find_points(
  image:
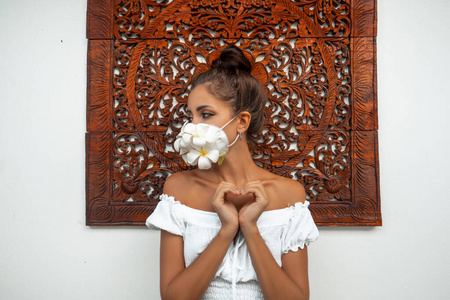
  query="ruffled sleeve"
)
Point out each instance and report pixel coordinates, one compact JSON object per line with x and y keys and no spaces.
{"x":300,"y":230}
{"x":167,"y":216}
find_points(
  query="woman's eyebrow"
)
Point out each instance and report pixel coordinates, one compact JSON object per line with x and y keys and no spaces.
{"x":203,"y":106}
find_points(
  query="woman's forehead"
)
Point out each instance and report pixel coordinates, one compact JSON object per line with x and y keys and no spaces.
{"x":201,"y":98}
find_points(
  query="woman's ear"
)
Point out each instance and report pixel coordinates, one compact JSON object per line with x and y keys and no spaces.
{"x":244,"y":121}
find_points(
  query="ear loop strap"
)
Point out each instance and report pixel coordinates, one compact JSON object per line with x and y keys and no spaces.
{"x":237,"y":136}
{"x":228,"y":122}
{"x":235,"y":140}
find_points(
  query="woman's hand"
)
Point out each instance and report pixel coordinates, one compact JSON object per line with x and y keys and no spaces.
{"x":250,"y":212}
{"x":225,"y":209}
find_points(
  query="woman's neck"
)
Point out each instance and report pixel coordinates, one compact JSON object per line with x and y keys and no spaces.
{"x":238,"y":166}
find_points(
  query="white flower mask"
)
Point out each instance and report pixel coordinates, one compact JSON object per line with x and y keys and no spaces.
{"x":202,"y":144}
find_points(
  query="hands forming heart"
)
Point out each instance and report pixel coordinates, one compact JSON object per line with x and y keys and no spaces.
{"x":249,"y":213}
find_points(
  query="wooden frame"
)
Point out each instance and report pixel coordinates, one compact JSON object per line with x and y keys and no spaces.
{"x":321,"y":117}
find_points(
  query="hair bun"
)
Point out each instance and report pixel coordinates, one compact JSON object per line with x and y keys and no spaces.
{"x":232,"y":59}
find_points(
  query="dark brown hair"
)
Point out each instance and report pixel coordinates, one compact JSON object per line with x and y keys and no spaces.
{"x":229,"y":79}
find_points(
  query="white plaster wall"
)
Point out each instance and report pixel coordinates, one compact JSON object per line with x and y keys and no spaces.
{"x":46,"y":251}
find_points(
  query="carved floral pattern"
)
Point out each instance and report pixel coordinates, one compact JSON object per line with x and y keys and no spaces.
{"x":302,"y":54}
{"x":232,"y":19}
{"x":300,"y":96}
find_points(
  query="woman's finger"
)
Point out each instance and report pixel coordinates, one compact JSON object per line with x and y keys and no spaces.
{"x":253,"y":188}
{"x":222,"y":189}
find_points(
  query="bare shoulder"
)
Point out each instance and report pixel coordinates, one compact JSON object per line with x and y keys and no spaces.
{"x":283,"y":192}
{"x":178,"y":184}
{"x":189,"y":187}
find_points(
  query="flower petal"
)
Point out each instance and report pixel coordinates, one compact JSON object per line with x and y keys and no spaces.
{"x":212,"y":134}
{"x":202,"y":129}
{"x":176,"y":145}
{"x":183,"y":150}
{"x":199,"y":141}
{"x":186,"y":138}
{"x":213,"y":155}
{"x":190,"y":128}
{"x":184,"y":156}
{"x":184,"y":125}
{"x":204,"y":163}
{"x":183,"y":144}
{"x":192,"y":157}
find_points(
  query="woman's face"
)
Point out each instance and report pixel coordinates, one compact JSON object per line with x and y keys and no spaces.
{"x":205,"y":108}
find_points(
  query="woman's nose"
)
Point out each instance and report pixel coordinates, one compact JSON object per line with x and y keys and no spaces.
{"x":194,"y":120}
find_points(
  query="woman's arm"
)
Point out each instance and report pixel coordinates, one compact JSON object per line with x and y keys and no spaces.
{"x":288,"y":282}
{"x":179,"y":282}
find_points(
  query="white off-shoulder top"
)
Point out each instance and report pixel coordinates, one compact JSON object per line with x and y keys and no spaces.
{"x":283,"y":230}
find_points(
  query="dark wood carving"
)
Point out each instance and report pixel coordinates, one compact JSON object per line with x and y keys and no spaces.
{"x":316,"y":59}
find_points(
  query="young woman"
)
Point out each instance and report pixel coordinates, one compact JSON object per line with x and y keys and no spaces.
{"x":230,"y":229}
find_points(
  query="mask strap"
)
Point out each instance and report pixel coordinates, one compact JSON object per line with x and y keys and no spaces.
{"x":237,"y":136}
{"x":235,"y":140}
{"x":228,"y":122}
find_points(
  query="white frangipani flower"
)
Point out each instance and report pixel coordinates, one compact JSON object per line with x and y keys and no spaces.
{"x":197,"y":132}
{"x":179,"y":143}
{"x":201,"y":144}
{"x":203,"y":157}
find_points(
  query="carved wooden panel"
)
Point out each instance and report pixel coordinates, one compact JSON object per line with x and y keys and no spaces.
{"x":317,"y":61}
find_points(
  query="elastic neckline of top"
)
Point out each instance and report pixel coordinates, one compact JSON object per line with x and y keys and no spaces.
{"x":304,"y":204}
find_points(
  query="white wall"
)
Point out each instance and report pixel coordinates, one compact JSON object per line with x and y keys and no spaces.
{"x":46,"y":251}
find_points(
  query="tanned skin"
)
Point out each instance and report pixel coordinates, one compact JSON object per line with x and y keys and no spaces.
{"x":239,"y":192}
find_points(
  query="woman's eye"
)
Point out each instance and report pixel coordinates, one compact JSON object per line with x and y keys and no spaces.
{"x":206,"y":115}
